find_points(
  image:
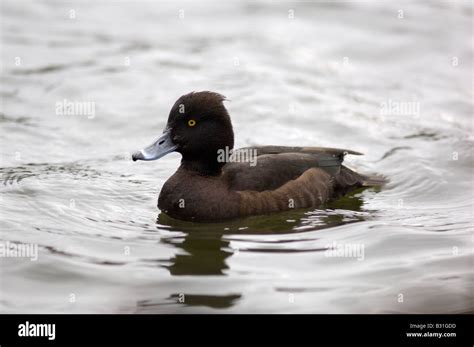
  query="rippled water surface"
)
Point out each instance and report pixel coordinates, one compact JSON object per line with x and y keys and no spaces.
{"x":299,"y":73}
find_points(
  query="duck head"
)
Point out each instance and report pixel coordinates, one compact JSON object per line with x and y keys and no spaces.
{"x":198,"y":127}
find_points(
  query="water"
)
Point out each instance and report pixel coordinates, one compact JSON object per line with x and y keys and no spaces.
{"x":392,"y":80}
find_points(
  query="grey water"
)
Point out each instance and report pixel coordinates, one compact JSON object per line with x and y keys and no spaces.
{"x":84,"y":84}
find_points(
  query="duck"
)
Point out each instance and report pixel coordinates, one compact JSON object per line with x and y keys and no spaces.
{"x":216,"y":182}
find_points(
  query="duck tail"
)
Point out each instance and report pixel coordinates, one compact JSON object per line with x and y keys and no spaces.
{"x":373,"y":181}
{"x":351,"y":178}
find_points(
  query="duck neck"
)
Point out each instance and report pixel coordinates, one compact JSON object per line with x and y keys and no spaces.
{"x":202,"y":166}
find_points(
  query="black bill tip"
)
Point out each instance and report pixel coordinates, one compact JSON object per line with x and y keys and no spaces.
{"x":137,"y":156}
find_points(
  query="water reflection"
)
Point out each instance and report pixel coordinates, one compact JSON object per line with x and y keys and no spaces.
{"x":213,"y":301}
{"x":203,"y":255}
{"x":204,"y":249}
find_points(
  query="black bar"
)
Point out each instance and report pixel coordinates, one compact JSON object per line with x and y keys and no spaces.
{"x":317,"y":329}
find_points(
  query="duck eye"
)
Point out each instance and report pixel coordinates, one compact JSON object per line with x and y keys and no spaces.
{"x":191,"y":122}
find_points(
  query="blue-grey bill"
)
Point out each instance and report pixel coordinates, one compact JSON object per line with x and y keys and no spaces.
{"x":157,"y":149}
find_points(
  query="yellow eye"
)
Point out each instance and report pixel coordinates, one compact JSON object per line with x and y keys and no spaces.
{"x":191,"y":122}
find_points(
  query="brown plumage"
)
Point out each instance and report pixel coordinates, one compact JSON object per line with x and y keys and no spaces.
{"x":276,"y":178}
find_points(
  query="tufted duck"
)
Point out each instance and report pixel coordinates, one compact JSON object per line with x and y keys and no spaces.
{"x":215,"y":182}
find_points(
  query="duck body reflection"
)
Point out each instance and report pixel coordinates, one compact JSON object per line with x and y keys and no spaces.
{"x":203,"y":250}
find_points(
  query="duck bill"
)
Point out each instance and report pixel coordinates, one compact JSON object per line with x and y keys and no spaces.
{"x":157,"y":149}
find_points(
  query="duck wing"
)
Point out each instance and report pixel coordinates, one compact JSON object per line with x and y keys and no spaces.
{"x":270,"y":167}
{"x":261,"y":150}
